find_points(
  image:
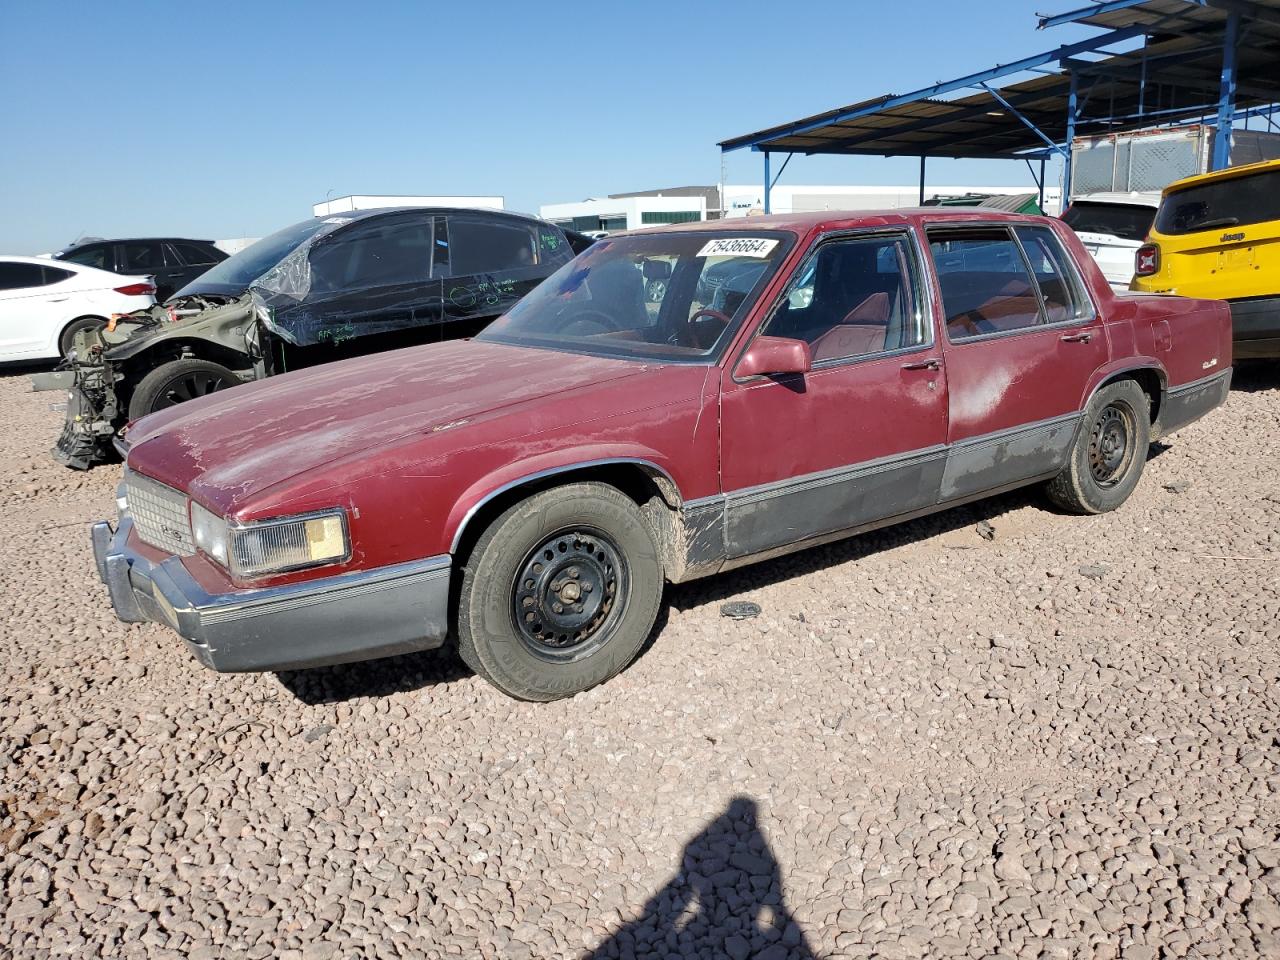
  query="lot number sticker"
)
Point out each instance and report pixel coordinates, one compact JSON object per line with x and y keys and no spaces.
{"x":738,"y":247}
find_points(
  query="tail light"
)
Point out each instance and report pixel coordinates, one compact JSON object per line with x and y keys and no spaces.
{"x":136,"y":289}
{"x":1147,"y":260}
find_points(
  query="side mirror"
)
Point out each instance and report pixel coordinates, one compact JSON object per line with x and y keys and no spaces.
{"x":656,"y":270}
{"x":775,"y":356}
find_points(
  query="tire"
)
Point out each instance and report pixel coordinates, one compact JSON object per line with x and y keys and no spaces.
{"x":1109,"y":452}
{"x":529,"y":625}
{"x":177,"y":382}
{"x":68,"y":338}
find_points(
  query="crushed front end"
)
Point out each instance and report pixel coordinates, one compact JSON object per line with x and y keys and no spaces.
{"x":93,"y":412}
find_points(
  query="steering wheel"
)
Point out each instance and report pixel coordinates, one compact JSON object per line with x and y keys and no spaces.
{"x":589,"y":317}
{"x":691,"y":329}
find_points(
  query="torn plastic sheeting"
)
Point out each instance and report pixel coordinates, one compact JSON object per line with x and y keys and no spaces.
{"x":316,"y":320}
{"x":291,"y":277}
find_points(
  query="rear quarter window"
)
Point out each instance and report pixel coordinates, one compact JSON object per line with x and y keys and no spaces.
{"x":1221,"y":204}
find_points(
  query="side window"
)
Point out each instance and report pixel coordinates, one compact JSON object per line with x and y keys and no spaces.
{"x":54,"y":275}
{"x":853,"y":298}
{"x":489,"y":246}
{"x":141,"y":257}
{"x":984,"y":281}
{"x":193,"y":255}
{"x":553,"y":248}
{"x":440,"y":249}
{"x":374,"y":253}
{"x":91,"y":257}
{"x":15,"y":276}
{"x":1060,"y":288}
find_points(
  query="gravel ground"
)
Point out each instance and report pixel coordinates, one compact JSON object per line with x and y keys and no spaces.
{"x":1058,"y":742}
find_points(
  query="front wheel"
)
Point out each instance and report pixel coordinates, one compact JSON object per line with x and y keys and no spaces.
{"x":560,"y":592}
{"x":177,"y":382}
{"x":1109,"y":453}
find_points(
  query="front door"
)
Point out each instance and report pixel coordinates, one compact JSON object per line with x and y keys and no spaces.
{"x":1022,"y":340}
{"x":862,"y":437}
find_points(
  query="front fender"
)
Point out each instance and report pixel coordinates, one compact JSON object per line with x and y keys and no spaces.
{"x":550,"y":464}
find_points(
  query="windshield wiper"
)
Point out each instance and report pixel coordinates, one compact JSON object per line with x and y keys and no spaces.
{"x":1220,"y":222}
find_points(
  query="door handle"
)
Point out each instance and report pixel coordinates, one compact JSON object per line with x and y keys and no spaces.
{"x":1077,"y":337}
{"x":931,"y":364}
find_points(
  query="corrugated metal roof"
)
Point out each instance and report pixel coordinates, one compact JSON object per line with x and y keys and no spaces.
{"x":1174,"y":77}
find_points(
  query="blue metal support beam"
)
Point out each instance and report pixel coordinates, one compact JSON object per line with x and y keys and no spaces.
{"x":1227,"y":93}
{"x":1022,"y":119}
{"x":974,"y":79}
{"x":768,"y":184}
{"x":1090,"y":11}
{"x":1072,"y":94}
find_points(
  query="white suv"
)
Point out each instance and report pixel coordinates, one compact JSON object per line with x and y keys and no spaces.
{"x":1112,"y":226}
{"x":45,"y":303}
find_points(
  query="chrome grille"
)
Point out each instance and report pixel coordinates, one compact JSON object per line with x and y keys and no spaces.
{"x":159,"y":514}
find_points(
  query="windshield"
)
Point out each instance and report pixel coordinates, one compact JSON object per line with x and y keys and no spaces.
{"x":1219,"y":204}
{"x":661,"y":296}
{"x":1124,"y":220}
{"x":234,"y":274}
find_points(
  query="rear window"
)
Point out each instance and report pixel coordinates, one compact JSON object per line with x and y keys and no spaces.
{"x":1221,"y":204}
{"x":1123,"y":220}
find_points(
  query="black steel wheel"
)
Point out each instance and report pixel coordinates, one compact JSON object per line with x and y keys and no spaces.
{"x":566,"y":594}
{"x":560,"y":592}
{"x":1111,"y":443}
{"x":178,"y":381}
{"x":1109,"y":451}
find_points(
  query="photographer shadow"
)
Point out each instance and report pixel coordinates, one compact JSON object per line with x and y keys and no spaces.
{"x":725,"y":900}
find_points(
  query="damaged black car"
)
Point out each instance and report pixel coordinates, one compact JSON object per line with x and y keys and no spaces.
{"x":325,"y":289}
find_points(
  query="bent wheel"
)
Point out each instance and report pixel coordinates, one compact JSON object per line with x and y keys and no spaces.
{"x":559,"y":593}
{"x":1109,"y":452}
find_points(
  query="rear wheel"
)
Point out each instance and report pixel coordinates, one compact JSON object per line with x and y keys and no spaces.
{"x":177,"y":382}
{"x":560,"y":592}
{"x":68,"y":338}
{"x":1109,"y":452}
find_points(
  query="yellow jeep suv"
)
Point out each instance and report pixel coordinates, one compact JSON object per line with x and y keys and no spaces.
{"x":1217,"y":235}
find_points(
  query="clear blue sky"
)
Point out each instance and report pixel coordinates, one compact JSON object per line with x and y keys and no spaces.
{"x":226,"y":119}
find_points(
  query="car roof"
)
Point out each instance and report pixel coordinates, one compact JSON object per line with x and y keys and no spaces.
{"x":1135,"y":198}
{"x":1227,"y":173}
{"x":88,"y":243}
{"x":42,"y":261}
{"x":383,"y":211}
{"x":848,"y":219}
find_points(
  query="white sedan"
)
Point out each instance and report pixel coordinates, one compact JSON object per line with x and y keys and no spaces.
{"x":45,"y":303}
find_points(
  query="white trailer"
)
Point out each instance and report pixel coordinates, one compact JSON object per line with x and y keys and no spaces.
{"x":1145,"y":160}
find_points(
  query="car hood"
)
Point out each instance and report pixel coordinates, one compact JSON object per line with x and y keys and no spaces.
{"x":228,"y":446}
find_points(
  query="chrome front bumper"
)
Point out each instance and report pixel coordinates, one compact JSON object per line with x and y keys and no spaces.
{"x":351,"y":616}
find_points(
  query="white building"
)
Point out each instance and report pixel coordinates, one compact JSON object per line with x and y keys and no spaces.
{"x":373,"y":202}
{"x":630,"y":211}
{"x":625,"y":212}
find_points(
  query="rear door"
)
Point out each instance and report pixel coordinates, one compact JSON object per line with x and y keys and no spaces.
{"x":859,"y":439}
{"x":146,"y":258}
{"x":368,"y":279}
{"x":493,"y":261}
{"x":1022,"y":338}
{"x":189,"y":260}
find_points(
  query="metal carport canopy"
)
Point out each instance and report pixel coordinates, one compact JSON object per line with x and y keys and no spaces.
{"x":1198,"y":58}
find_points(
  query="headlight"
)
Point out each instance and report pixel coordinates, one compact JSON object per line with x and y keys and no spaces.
{"x":272,"y":546}
{"x":210,"y":533}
